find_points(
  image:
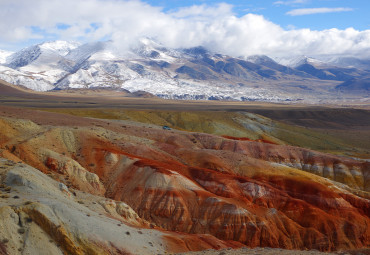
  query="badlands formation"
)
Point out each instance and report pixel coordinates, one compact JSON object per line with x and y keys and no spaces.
{"x":78,"y":185}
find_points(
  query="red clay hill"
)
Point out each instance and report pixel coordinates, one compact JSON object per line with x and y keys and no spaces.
{"x":238,"y":191}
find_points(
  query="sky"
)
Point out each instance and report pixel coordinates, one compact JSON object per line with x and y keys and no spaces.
{"x":234,"y":27}
{"x":339,"y":13}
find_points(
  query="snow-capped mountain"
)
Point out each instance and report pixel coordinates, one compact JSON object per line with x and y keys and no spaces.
{"x":329,"y":68}
{"x":194,"y":73}
{"x":350,"y":62}
{"x":325,"y":61}
{"x":40,"y":54}
{"x":44,"y":62}
{"x":20,"y":78}
{"x":296,"y":61}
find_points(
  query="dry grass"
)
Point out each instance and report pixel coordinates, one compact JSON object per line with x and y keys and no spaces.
{"x":229,"y":123}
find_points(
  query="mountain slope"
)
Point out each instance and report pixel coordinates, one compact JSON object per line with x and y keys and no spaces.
{"x":329,"y":68}
{"x":40,"y":215}
{"x":16,"y":77}
{"x":355,"y":85}
{"x":49,"y":53}
{"x":270,"y":63}
{"x":194,"y":73}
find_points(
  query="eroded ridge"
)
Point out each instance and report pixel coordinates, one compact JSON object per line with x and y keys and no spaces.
{"x":235,"y":191}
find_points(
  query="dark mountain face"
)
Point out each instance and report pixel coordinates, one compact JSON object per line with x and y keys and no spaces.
{"x":207,"y":66}
{"x":140,"y":69}
{"x":159,"y":64}
{"x":355,"y":86}
{"x":331,"y":73}
{"x":196,"y":51}
{"x":270,"y":63}
{"x":25,"y":57}
{"x":310,"y":69}
{"x":192,"y":73}
{"x":237,"y":68}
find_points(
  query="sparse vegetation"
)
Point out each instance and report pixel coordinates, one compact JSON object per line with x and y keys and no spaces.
{"x":237,"y":124}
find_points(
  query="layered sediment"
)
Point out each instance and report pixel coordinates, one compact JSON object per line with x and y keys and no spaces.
{"x":220,"y":190}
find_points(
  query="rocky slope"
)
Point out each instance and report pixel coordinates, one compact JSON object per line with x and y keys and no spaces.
{"x":355,"y":85}
{"x":42,"y":216}
{"x":245,"y":191}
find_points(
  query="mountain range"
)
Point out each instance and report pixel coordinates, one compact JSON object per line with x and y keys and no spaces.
{"x":194,"y":73}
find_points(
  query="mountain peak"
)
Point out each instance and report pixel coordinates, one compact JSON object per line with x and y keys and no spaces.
{"x":62,"y":47}
{"x":192,"y":73}
{"x":48,"y":50}
{"x":295,"y":61}
{"x":259,"y":59}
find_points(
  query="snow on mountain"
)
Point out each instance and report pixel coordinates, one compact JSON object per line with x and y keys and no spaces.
{"x":296,"y":61}
{"x":102,"y":64}
{"x":3,"y":55}
{"x":19,"y":78}
{"x":85,"y":51}
{"x":62,"y":47}
{"x":349,"y":62}
{"x":44,"y":61}
{"x":194,"y":73}
{"x":147,"y":48}
{"x":258,"y":59}
{"x":325,"y":61}
{"x":334,"y":68}
{"x":40,"y":54}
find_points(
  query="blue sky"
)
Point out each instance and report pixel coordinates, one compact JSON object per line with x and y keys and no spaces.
{"x":357,"y":18}
{"x":234,"y":27}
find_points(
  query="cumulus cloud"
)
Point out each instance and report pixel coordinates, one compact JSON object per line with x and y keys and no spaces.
{"x":215,"y":27}
{"x":308,"y":11}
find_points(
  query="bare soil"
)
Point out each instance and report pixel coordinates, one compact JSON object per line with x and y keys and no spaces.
{"x":349,"y":123}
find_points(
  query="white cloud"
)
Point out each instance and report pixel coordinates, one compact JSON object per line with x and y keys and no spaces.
{"x":203,"y":11}
{"x":291,"y":2}
{"x":215,"y":27}
{"x":308,"y":11}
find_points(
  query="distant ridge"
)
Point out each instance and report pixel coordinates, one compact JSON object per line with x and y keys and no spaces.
{"x":193,"y":73}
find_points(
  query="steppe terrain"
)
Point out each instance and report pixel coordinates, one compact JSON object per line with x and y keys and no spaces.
{"x":92,"y":174}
